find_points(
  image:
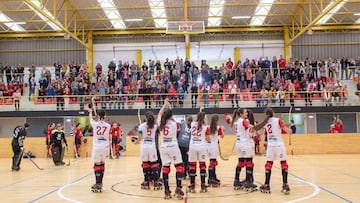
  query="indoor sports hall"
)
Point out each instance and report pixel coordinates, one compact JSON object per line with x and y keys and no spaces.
{"x":63,"y":60}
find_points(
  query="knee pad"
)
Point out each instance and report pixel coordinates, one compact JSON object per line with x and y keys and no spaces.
{"x":250,"y":164}
{"x":268,"y":165}
{"x":99,"y":167}
{"x":192,"y":166}
{"x":179,"y":168}
{"x":145,"y":165}
{"x":154,"y":165}
{"x":241,"y":164}
{"x":213,"y":163}
{"x":166,"y":169}
{"x":202,"y":165}
{"x":284,"y":165}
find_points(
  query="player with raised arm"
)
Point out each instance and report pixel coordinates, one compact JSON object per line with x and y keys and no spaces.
{"x":148,"y":153}
{"x":100,"y":150}
{"x":213,"y":150}
{"x":200,"y":135}
{"x":169,"y":149}
{"x":275,"y":149}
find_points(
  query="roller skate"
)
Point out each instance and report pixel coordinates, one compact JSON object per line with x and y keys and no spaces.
{"x":167,"y":194}
{"x":15,"y":168}
{"x":238,"y":185}
{"x":265,"y":189}
{"x":203,"y":188}
{"x":191,"y":188}
{"x":157,"y":185}
{"x":250,"y":187}
{"x":96,"y":188}
{"x":213,"y":183}
{"x":285,"y":189}
{"x":145,"y":185}
{"x":179,"y":193}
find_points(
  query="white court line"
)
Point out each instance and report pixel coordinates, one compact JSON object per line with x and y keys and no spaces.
{"x":313,"y":194}
{"x":60,"y":194}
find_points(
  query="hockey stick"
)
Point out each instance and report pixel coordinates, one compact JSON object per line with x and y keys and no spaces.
{"x":290,"y":122}
{"x":139,"y":117}
{"x":224,"y":158}
{"x":32,"y":161}
{"x":67,"y":152}
{"x":93,"y":105}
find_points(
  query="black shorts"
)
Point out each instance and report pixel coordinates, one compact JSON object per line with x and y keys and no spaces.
{"x":77,"y":141}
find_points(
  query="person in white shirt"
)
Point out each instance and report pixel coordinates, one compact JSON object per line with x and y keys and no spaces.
{"x":101,"y":146}
{"x":169,"y":149}
{"x":200,"y":135}
{"x":275,"y":148}
{"x":148,"y":153}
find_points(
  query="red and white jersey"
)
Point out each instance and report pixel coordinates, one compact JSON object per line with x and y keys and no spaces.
{"x":147,"y":134}
{"x":169,"y":132}
{"x":242,"y":127}
{"x":214,"y":138}
{"x":273,"y":130}
{"x":198,"y":135}
{"x":101,"y":133}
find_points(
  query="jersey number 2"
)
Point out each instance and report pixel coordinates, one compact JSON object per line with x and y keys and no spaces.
{"x":269,"y":128}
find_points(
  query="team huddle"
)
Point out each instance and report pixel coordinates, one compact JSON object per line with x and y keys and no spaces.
{"x":188,"y":144}
{"x":194,"y":142}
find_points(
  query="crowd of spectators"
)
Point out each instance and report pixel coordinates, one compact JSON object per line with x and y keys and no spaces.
{"x":122,"y":83}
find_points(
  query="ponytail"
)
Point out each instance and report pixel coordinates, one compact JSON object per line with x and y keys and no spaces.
{"x":234,"y":115}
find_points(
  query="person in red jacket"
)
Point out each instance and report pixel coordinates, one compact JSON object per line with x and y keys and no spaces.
{"x":338,"y":124}
{"x":116,"y":138}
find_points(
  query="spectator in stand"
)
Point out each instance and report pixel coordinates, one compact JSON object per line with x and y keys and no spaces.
{"x":17,"y":96}
{"x":172,"y":93}
{"x":338,"y":124}
{"x":358,"y":90}
{"x":32,"y":86}
{"x":233,"y":94}
{"x":194,"y":95}
{"x":282,"y":66}
{"x":229,"y":64}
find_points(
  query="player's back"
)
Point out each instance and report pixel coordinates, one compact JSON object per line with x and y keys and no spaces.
{"x":169,"y":132}
{"x":273,"y":130}
{"x":101,"y":133}
{"x":198,"y":135}
{"x":148,"y":134}
{"x":241,"y":126}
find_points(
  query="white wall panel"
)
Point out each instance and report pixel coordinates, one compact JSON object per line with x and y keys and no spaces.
{"x":215,"y":53}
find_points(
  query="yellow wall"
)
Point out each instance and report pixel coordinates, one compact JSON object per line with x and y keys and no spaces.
{"x":301,"y":144}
